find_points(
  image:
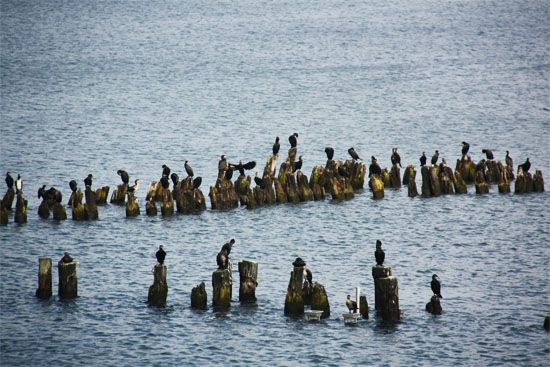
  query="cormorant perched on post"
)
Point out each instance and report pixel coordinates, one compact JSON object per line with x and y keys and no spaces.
{"x":465,"y":148}
{"x":436,"y":286}
{"x":342,"y":170}
{"x":508,"y":160}
{"x":161,"y":255}
{"x":423,"y":159}
{"x":222,"y":259}
{"x":292,"y":139}
{"x":164,"y":182}
{"x":188,"y":169}
{"x":395,"y":157}
{"x":19,"y":184}
{"x":175,"y":179}
{"x":309,"y":276}
{"x":488,"y":154}
{"x":379,"y":254}
{"x":525,"y":166}
{"x":88,"y":181}
{"x":228,"y":174}
{"x":298,"y":164}
{"x":354,"y":154}
{"x":241,"y":167}
{"x":259,"y":182}
{"x":73,"y":185}
{"x":374,"y":168}
{"x":42,"y":192}
{"x":197,"y":181}
{"x":276,"y":146}
{"x":123,"y":176}
{"x":165,"y":170}
{"x":55,"y":194}
{"x":330,"y":153}
{"x":298,"y":262}
{"x":222,"y":164}
{"x":9,"y":180}
{"x":352,"y":305}
{"x":66,"y":258}
{"x":134,"y":187}
{"x":435,"y":157}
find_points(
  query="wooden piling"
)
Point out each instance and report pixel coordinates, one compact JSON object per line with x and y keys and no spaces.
{"x":467,"y":169}
{"x":132,"y":206}
{"x":8,"y":198}
{"x":364,"y":306}
{"x":3,"y":214}
{"x":75,"y":198}
{"x":294,"y":302}
{"x":101,"y":195}
{"x":358,"y":171}
{"x":59,"y":212}
{"x":493,"y":171}
{"x":385,"y":176}
{"x":242,"y":188}
{"x":435,"y":184}
{"x":119,"y":194}
{"x":158,"y":292}
{"x":78,"y":209}
{"x":316,"y":183}
{"x":167,"y":203}
{"x":280,"y":191}
{"x":379,"y":271}
{"x":434,"y":306}
{"x":388,"y":290}
{"x":538,"y":182}
{"x":199,"y":297}
{"x":270,"y":166}
{"x":151,"y":207}
{"x":44,"y":290}
{"x":395,"y":177}
{"x":377,"y":186}
{"x":409,"y":179}
{"x":44,"y":209}
{"x":460,"y":184}
{"x":426,"y":190}
{"x":91,"y":212}
{"x":304,"y":191}
{"x":68,"y":283}
{"x":223,"y":195}
{"x":503,"y":181}
{"x":291,"y":188}
{"x":221,"y":284}
{"x":446,"y":181}
{"x":319,"y":300}
{"x":248,"y":274}
{"x":20,"y":209}
{"x":482,"y":187}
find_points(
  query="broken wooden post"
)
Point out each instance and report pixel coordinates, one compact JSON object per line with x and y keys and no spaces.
{"x":460,"y":184}
{"x":357,"y":171}
{"x":270,"y":166}
{"x":446,"y":181}
{"x":151,"y":207}
{"x":426,"y":190}
{"x":319,"y":300}
{"x":248,"y":274}
{"x":364,"y":307}
{"x":434,"y":306}
{"x":119,"y":194}
{"x":385,"y":176}
{"x":132,"y":206}
{"x":221,"y":284}
{"x":78,"y":209}
{"x":68,"y":284}
{"x":44,"y":209}
{"x":304,"y":191}
{"x":467,"y":169}
{"x":223,"y":195}
{"x":379,"y":271}
{"x":167,"y":203}
{"x":294,"y":301}
{"x":291,"y":188}
{"x":91,"y":212}
{"x":538,"y":182}
{"x":8,"y":198}
{"x":388,"y":290}
{"x":76,"y":197}
{"x":482,"y":187}
{"x":435,"y":185}
{"x":503,"y":182}
{"x":101,"y":195}
{"x":3,"y":214}
{"x":410,"y":177}
{"x":44,"y":290}
{"x":395,"y":177}
{"x":307,"y":293}
{"x":59,"y":211}
{"x":377,"y":186}
{"x":20,"y":209}
{"x":492,"y":171}
{"x":280,"y":191}
{"x":199,"y":297}
{"x":242,"y":188}
{"x":158,"y":292}
{"x":316,"y":183}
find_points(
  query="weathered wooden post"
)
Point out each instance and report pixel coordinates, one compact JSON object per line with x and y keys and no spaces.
{"x":151,"y":207}
{"x":158,"y":292}
{"x":364,"y":306}
{"x":167,"y":203}
{"x":78,"y":209}
{"x":467,"y":169}
{"x":304,"y":191}
{"x":248,"y":274}
{"x":68,"y":284}
{"x":460,"y":184}
{"x":291,"y":188}
{"x":119,"y":194}
{"x":377,"y":187}
{"x":270,"y":166}
{"x":435,"y":185}
{"x":503,"y":182}
{"x":378,"y":272}
{"x":493,"y":171}
{"x":446,"y":181}
{"x":199,"y":297}
{"x":385,"y":176}
{"x":44,"y":290}
{"x":410,"y":177}
{"x":538,"y":182}
{"x":223,"y":195}
{"x":76,"y":197}
{"x":3,"y":214}
{"x":425,"y":172}
{"x":20,"y":209}
{"x":242,"y":188}
{"x":280,"y":191}
{"x":294,"y":301}
{"x":358,"y":171}
{"x":7,"y":200}
{"x":388,"y":288}
{"x":132,"y":206}
{"x":395,"y":177}
{"x":434,"y":306}
{"x":221,"y":284}
{"x":319,"y":300}
{"x":59,"y":211}
{"x":101,"y":195}
{"x":44,"y":209}
{"x":481,"y":185}
{"x":91,"y":212}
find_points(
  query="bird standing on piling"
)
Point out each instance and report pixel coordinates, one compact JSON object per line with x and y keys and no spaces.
{"x":298,"y":164}
{"x":354,"y":154}
{"x":276,"y":146}
{"x":165,"y":170}
{"x":508,"y":160}
{"x":525,"y":166}
{"x":465,"y":149}
{"x":197,"y":181}
{"x":19,"y":184}
{"x":259,"y":182}
{"x":132,"y":189}
{"x":9,"y":180}
{"x":329,"y":152}
{"x":161,"y":255}
{"x":395,"y":157}
{"x":88,"y":181}
{"x":423,"y":159}
{"x":222,"y":259}
{"x":164,"y":182}
{"x":293,"y":140}
{"x":379,"y":254}
{"x":435,"y":157}
{"x":175,"y":179}
{"x":66,"y":258}
{"x":436,"y":286}
{"x":188,"y":169}
{"x":73,"y":185}
{"x":352,"y":305}
{"x":374,"y":168}
{"x":123,"y":176}
{"x":488,"y":154}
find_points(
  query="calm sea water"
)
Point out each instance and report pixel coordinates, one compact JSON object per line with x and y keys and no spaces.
{"x":92,"y":87}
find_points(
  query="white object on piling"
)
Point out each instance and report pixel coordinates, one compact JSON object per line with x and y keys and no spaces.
{"x":313,"y":315}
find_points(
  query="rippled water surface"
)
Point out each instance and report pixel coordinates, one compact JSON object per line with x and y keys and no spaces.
{"x":92,"y":87}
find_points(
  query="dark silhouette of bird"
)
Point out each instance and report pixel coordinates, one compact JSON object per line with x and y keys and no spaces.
{"x":276,"y":146}
{"x":342,"y":170}
{"x":66,"y":258}
{"x":435,"y":157}
{"x":374,"y":168}
{"x":379,"y":254}
{"x":88,"y":181}
{"x":188,"y":169}
{"x":525,"y":166}
{"x":133,"y":188}
{"x":73,"y":185}
{"x":222,"y":259}
{"x":423,"y":159}
{"x":436,"y":286}
{"x":242,"y":167}
{"x":309,"y":276}
{"x":175,"y":179}
{"x":298,"y":164}
{"x":197,"y":181}
{"x":352,"y":305}
{"x":123,"y":176}
{"x":222,"y":164}
{"x":165,"y":170}
{"x":164,"y":182}
{"x":298,"y":262}
{"x":42,"y":192}
{"x":161,"y":255}
{"x":259,"y":181}
{"x":9,"y":180}
{"x":329,"y":152}
{"x":353,"y":154}
{"x":509,"y":161}
{"x":465,"y":148}
{"x":395,"y":158}
{"x":19,"y":184}
{"x":293,"y":140}
{"x":488,"y":154}
{"x":229,"y":173}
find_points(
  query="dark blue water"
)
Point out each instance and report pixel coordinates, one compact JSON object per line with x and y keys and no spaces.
{"x":92,"y":87}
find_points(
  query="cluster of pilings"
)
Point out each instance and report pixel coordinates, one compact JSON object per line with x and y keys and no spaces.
{"x":68,"y":280}
{"x":20,"y":215}
{"x":300,"y":294}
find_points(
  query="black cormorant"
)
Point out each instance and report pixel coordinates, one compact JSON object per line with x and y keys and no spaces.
{"x":352,"y":305}
{"x":436,"y":286}
{"x":222,"y":259}
{"x":298,"y":262}
{"x":66,"y":258}
{"x":465,"y":148}
{"x":228,"y":173}
{"x":379,"y":254}
{"x":175,"y":179}
{"x":276,"y":146}
{"x":164,"y":182}
{"x":197,"y":181}
{"x":330,"y":153}
{"x":423,"y":159}
{"x":259,"y":182}
{"x":19,"y":184}
{"x":525,"y":166}
{"x":165,"y":170}
{"x":9,"y":180}
{"x":353,"y":154}
{"x":42,"y":192}
{"x":123,"y":176}
{"x":488,"y":153}
{"x":374,"y":168}
{"x":435,"y":157}
{"x":161,"y":255}
{"x":73,"y":185}
{"x":508,"y":160}
{"x":292,"y":139}
{"x":309,"y":276}
{"x":395,"y":157}
{"x":188,"y":169}
{"x":88,"y":181}
{"x":298,"y":164}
